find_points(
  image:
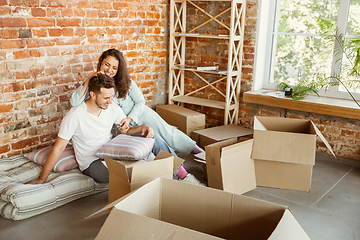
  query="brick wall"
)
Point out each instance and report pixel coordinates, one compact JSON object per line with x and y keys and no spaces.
{"x":48,"y":47}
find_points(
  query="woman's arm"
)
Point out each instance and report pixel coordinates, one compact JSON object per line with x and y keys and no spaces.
{"x":139,"y":102}
{"x":82,"y":93}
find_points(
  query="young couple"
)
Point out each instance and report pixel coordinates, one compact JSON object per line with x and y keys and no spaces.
{"x":109,"y":96}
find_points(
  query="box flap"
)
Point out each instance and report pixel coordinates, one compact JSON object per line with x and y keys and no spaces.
{"x":282,"y":124}
{"x":117,"y":168}
{"x":118,"y":179}
{"x":136,"y":227}
{"x":323,"y":139}
{"x":284,"y":147}
{"x":229,"y":166}
{"x":177,"y":161}
{"x":146,"y":172}
{"x":288,"y":228}
{"x":237,"y":168}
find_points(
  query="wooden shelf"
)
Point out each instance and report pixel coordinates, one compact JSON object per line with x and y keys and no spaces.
{"x":234,"y":36}
{"x":314,"y":104}
{"x":195,"y":35}
{"x":199,"y":101}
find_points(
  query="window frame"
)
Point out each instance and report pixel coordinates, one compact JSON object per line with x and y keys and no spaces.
{"x":265,"y":36}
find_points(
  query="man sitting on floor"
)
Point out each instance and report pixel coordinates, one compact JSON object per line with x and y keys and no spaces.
{"x":89,"y":126}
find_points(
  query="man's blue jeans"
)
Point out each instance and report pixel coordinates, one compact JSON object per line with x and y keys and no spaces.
{"x":100,"y":173}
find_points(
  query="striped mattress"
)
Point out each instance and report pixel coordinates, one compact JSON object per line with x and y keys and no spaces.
{"x":20,"y":201}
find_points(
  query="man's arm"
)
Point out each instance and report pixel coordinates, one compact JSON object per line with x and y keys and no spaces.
{"x":51,"y":160}
{"x":143,"y":129}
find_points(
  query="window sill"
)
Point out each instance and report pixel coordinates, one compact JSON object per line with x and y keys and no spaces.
{"x":314,"y":104}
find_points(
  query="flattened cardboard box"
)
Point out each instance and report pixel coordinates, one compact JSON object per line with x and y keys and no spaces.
{"x":126,"y":176}
{"x":153,"y":212}
{"x":284,"y":152}
{"x":229,"y":166}
{"x":186,"y":120}
{"x":208,"y":136}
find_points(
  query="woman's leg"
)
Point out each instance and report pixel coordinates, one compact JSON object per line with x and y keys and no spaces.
{"x":175,"y":138}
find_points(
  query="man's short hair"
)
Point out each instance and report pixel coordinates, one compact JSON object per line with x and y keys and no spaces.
{"x":99,"y":81}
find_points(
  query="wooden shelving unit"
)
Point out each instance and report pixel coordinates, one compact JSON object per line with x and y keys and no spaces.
{"x":178,"y":67}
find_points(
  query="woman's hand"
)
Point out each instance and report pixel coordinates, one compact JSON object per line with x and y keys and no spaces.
{"x":124,"y":124}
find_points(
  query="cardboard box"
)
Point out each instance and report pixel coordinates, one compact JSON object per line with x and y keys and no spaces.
{"x":229,"y":166}
{"x":169,"y":209}
{"x":284,"y":152}
{"x":208,"y":136}
{"x":186,"y":120}
{"x":126,"y":176}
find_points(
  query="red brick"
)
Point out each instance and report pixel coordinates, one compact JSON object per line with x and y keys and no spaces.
{"x":67,"y":12}
{"x":68,"y":22}
{"x":12,"y":22}
{"x":52,"y":52}
{"x":77,"y":68}
{"x":101,"y":5}
{"x":53,"y":12}
{"x":4,"y":148}
{"x":68,"y":32}
{"x":25,"y":143}
{"x":79,"y":12}
{"x":7,"y":44}
{"x":42,"y":32}
{"x":35,"y":53}
{"x":120,"y":5}
{"x":68,"y":41}
{"x":55,"y":32}
{"x":41,"y":22}
{"x":91,"y":13}
{"x":37,"y":72}
{"x":33,"y":43}
{"x":22,"y":75}
{"x":22,"y":54}
{"x":4,"y":10}
{"x":38,"y":12}
{"x":80,"y":31}
{"x":5,"y":108}
{"x":10,"y":33}
{"x":54,"y":3}
{"x":25,"y":3}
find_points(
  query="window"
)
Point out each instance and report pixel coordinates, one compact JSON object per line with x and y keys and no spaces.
{"x":290,"y":46}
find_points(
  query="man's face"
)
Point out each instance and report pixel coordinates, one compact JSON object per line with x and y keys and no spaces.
{"x":104,"y":98}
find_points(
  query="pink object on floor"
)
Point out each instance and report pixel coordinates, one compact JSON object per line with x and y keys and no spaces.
{"x":182,"y":172}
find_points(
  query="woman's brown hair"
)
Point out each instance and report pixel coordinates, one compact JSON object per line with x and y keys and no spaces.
{"x":122,"y":77}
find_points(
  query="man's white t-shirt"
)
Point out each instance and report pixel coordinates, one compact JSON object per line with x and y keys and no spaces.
{"x":89,"y":132}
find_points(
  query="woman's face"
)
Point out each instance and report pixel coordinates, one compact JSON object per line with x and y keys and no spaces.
{"x":109,"y":66}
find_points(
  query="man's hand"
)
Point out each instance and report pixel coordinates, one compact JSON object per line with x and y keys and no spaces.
{"x":38,"y":181}
{"x":147,"y":131}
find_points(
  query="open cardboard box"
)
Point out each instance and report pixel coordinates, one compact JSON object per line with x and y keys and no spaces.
{"x":169,"y":209}
{"x":186,"y":120}
{"x":208,"y":136}
{"x":284,"y":152}
{"x":126,"y":176}
{"x":229,"y":166}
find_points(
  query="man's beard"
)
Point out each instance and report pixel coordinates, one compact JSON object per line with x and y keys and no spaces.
{"x":100,"y":105}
